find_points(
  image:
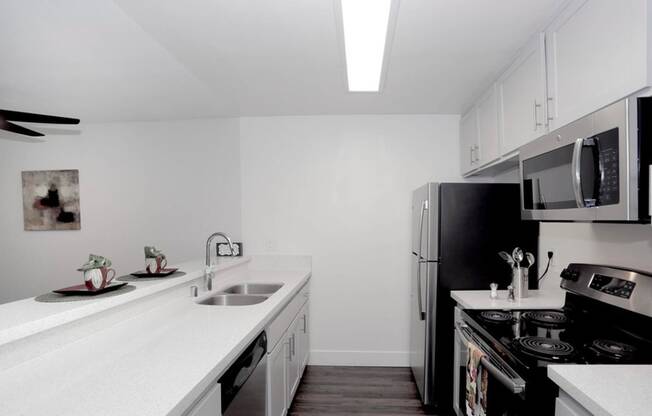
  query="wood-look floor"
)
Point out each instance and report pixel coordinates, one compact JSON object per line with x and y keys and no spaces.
{"x":359,"y":391}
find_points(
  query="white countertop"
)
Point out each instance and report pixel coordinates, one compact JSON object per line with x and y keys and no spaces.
{"x":607,"y":390}
{"x":537,"y":299}
{"x":156,"y":362}
{"x":26,"y":317}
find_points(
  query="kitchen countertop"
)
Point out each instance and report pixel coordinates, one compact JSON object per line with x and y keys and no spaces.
{"x":156,"y":362}
{"x":607,"y":390}
{"x":537,"y":299}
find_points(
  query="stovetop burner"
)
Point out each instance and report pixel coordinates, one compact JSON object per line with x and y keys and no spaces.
{"x":496,"y":317}
{"x":545,"y":348}
{"x":613,"y":350}
{"x":547,"y":319}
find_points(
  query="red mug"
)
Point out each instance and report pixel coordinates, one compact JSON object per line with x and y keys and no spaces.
{"x":96,"y":279}
{"x":155,"y":265}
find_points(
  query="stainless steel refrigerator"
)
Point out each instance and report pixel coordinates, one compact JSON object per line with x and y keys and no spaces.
{"x":457,"y":231}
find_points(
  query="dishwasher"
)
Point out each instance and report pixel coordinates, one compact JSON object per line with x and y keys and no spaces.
{"x":244,"y":383}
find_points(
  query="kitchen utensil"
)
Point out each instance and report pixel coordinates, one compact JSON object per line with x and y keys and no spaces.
{"x":505,"y":256}
{"x":518,"y":256}
{"x":530,"y":259}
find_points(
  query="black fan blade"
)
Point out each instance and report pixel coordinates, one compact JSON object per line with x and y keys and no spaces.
{"x":36,"y":118}
{"x":15,"y":128}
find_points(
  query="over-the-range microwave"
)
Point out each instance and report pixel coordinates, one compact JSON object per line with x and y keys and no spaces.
{"x":594,"y":169}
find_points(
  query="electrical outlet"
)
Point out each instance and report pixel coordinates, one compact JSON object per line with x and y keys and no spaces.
{"x":270,"y":246}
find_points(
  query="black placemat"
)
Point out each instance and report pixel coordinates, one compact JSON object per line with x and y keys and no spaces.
{"x":52,"y":297}
{"x":130,"y":278}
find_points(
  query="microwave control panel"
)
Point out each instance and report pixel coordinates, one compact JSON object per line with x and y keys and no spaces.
{"x":612,"y":286}
{"x":607,"y":143}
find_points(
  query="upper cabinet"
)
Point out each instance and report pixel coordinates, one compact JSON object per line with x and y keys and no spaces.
{"x":469,"y":147}
{"x":523,"y":95}
{"x":592,"y":53}
{"x":598,"y":53}
{"x":488,"y":135}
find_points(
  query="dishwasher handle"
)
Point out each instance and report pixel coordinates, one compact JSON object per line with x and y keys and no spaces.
{"x":242,"y":368}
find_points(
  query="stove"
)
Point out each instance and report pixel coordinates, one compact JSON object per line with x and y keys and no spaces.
{"x":606,"y":319}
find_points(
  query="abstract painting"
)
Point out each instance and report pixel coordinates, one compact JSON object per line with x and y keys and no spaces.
{"x":51,"y":200}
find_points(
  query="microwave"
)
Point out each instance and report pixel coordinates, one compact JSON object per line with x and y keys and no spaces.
{"x":596,"y":169}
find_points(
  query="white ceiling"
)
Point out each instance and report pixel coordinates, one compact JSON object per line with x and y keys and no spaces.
{"x":105,"y":60}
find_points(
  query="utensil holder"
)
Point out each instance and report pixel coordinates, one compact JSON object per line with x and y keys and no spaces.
{"x":520,"y":278}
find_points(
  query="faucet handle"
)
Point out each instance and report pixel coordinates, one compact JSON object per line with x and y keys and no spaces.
{"x":194,"y":291}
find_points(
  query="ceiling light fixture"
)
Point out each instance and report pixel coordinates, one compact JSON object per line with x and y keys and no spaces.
{"x":365,"y":25}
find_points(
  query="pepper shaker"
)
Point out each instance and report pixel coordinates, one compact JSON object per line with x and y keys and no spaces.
{"x":494,"y":290}
{"x":510,"y":293}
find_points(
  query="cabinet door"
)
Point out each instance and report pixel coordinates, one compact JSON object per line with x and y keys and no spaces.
{"x":597,"y":53}
{"x":293,"y":362}
{"x":209,"y":405}
{"x":469,"y":141}
{"x":522,"y":96}
{"x":488,"y":134}
{"x":277,"y":404}
{"x":303,"y":339}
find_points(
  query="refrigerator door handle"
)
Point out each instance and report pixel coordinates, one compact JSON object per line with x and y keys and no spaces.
{"x":424,"y":208}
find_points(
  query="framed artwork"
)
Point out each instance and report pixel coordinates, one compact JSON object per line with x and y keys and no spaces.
{"x":51,"y":200}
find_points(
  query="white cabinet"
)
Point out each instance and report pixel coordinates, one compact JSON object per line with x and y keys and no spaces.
{"x":277,"y":404}
{"x":598,"y":53}
{"x":489,"y":139}
{"x":303,"y":339}
{"x":210,"y":404}
{"x":288,"y":337}
{"x":293,"y":363}
{"x":522,"y":92}
{"x":469,"y":150}
{"x":567,"y":406}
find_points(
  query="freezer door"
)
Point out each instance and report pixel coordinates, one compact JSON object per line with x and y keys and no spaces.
{"x":425,"y":212}
{"x":422,"y":325}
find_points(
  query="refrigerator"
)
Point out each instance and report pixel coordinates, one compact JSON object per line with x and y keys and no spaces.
{"x":457,"y":231}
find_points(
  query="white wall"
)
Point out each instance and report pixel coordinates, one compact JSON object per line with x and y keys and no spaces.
{"x":628,"y":245}
{"x":163,"y":183}
{"x":339,"y":188}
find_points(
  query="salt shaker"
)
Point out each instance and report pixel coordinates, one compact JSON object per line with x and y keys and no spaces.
{"x":510,"y":293}
{"x":494,"y":290}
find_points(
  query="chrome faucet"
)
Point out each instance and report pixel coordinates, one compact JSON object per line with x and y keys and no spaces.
{"x":208,"y":273}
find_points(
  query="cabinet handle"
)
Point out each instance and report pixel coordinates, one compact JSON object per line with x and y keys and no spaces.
{"x":289,"y":350}
{"x":305,"y":324}
{"x":536,"y":116}
{"x":294,"y":345}
{"x":477,"y":153}
{"x":471,"y":154}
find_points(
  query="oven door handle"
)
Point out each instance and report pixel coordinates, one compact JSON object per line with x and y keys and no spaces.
{"x":576,"y":170}
{"x":514,"y":384}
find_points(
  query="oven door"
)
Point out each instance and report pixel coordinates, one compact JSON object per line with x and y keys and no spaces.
{"x":581,"y":172}
{"x":506,"y":389}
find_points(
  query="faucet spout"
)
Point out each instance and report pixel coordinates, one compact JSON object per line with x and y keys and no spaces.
{"x":208,"y":275}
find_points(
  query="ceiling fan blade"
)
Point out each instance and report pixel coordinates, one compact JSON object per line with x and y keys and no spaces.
{"x":15,"y":128}
{"x":36,"y":118}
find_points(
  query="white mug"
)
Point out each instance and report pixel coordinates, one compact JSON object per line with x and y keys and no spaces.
{"x":155,"y":265}
{"x":95,"y":279}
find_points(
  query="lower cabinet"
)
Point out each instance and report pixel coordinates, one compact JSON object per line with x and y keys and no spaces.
{"x":567,"y":406}
{"x":209,"y":405}
{"x":288,"y":358}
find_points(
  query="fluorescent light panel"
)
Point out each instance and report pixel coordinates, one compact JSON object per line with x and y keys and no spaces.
{"x":365,"y":33}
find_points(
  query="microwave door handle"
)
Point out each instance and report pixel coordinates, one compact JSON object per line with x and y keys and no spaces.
{"x":515,"y":385}
{"x":576,"y":168}
{"x":424,"y":208}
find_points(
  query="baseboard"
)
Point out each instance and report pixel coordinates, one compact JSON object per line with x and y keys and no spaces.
{"x":360,"y":358}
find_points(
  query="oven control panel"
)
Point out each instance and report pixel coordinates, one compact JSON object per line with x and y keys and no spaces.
{"x":612,"y":285}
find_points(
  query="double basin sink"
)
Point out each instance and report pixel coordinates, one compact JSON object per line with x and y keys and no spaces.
{"x":242,"y":294}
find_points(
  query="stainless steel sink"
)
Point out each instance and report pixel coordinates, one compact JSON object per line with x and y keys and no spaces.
{"x":233,"y":300}
{"x":253,"y":288}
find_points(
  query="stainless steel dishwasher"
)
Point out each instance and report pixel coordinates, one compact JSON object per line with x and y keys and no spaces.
{"x":243,"y":385}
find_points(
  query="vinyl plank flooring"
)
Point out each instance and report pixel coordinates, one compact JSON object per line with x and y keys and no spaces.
{"x":358,"y":391}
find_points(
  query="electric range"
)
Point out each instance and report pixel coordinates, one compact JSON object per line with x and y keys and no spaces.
{"x":606,"y":319}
